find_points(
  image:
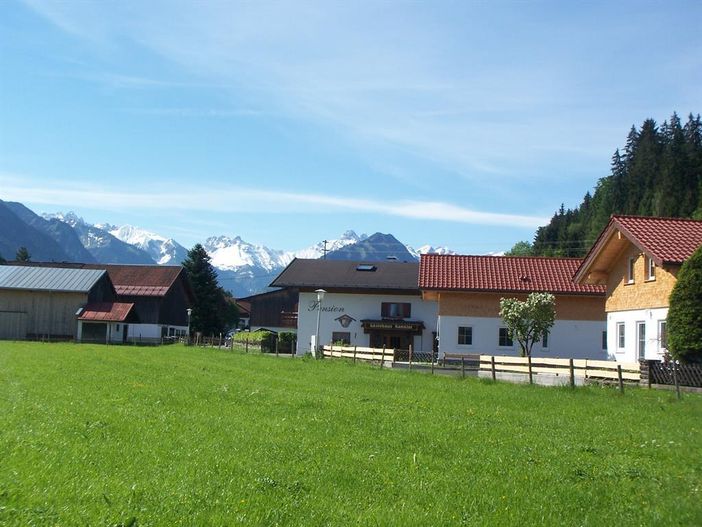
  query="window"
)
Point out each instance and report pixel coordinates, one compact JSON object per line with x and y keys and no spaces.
{"x":544,"y":341}
{"x":641,"y":340}
{"x":505,"y":340}
{"x":116,"y":327}
{"x":465,"y":335}
{"x":630,"y":272}
{"x":604,"y":341}
{"x":395,"y":309}
{"x":650,"y":269}
{"x":620,"y":335}
{"x":341,"y":337}
{"x":662,"y":335}
{"x":366,"y":267}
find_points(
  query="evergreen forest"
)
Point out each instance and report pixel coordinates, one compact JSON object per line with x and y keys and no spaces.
{"x":659,"y":173}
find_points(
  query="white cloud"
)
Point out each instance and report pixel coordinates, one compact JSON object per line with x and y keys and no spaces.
{"x":246,"y":200}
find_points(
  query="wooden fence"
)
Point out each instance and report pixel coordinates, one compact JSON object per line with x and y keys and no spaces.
{"x":671,"y":373}
{"x":570,"y":368}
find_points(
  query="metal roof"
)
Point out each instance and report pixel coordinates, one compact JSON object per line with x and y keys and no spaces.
{"x":49,"y":278}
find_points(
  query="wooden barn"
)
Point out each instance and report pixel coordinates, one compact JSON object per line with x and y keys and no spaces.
{"x":43,"y":302}
{"x":273,"y":310}
{"x":161,"y":295}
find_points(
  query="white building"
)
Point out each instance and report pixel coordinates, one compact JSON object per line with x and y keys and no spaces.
{"x":365,"y":304}
{"x":468,"y":290}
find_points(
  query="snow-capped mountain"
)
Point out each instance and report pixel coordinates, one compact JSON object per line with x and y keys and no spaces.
{"x":102,"y":245}
{"x":230,"y":254}
{"x":164,"y":251}
{"x":429,"y":249}
{"x":317,"y":251}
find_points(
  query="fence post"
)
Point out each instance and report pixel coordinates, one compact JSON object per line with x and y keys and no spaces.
{"x":648,"y":374}
{"x":276,"y":345}
{"x":220,"y":341}
{"x":675,"y":378}
{"x":431,"y":354}
{"x":293,"y":350}
{"x":621,"y":381}
{"x":382,"y":357}
{"x":463,"y":367}
{"x":531,"y":378}
{"x":246,"y":348}
{"x":572,"y":373}
{"x":410,"y":357}
{"x":492,"y":361}
{"x":354,"y":354}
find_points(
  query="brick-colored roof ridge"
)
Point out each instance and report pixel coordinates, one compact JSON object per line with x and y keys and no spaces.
{"x":502,"y":274}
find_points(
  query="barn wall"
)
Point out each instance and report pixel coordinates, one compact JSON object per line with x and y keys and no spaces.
{"x":37,"y":314}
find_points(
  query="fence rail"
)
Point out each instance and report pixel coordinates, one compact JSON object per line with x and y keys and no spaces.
{"x":572,"y":368}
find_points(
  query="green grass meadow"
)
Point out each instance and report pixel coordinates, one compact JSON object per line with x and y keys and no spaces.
{"x":96,"y":435}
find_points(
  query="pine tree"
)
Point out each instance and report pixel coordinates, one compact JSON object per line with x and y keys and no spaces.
{"x":23,"y":255}
{"x":211,"y":312}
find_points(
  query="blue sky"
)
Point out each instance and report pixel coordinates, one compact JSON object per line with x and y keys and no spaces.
{"x":464,"y":124}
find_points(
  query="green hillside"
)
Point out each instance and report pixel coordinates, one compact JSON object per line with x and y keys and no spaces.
{"x":658,"y":173}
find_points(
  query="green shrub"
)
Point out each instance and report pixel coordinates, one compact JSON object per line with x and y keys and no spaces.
{"x":685,"y":313}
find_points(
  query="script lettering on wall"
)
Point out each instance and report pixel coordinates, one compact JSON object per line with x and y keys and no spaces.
{"x":314,"y":306}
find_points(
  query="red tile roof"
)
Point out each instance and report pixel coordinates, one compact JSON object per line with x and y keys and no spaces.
{"x":142,"y":280}
{"x":502,"y":274}
{"x":668,"y":240}
{"x":140,"y":290}
{"x":106,"y":312}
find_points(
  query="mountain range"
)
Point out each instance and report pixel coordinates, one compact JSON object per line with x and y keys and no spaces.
{"x":243,"y":268}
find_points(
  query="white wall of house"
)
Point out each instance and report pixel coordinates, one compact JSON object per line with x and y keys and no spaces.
{"x":152,"y":332}
{"x":650,"y":320}
{"x":578,"y":339}
{"x":358,"y":306}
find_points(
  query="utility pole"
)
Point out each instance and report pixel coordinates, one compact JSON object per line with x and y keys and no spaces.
{"x":324,"y":257}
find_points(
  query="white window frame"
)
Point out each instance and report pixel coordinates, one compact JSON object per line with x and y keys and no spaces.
{"x":631,"y":269}
{"x":650,"y":269}
{"x":662,"y":349}
{"x":640,"y":324}
{"x":621,"y":337}
{"x":458,"y":336}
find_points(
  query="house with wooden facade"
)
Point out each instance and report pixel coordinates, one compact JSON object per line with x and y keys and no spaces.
{"x":40,"y":303}
{"x":368,"y":304}
{"x":637,"y":259}
{"x":273,"y":310}
{"x":161,"y":295}
{"x":468,"y":290}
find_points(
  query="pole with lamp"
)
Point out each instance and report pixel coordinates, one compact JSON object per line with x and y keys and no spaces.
{"x":320,"y":297}
{"x":190,"y":312}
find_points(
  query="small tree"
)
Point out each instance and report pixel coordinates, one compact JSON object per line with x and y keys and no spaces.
{"x":528,"y":321}
{"x":685,"y":312}
{"x":23,"y":255}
